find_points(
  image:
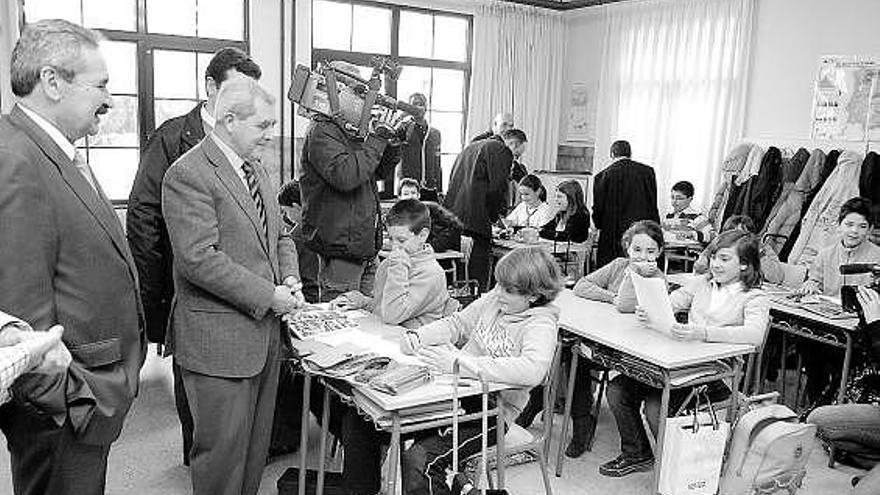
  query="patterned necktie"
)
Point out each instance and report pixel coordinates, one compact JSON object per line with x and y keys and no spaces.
{"x":253,"y":186}
{"x":85,"y":170}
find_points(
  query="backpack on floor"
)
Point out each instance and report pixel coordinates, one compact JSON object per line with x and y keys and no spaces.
{"x":768,"y":453}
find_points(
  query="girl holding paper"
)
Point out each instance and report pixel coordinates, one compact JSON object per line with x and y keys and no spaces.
{"x":643,"y":243}
{"x":727,"y":305}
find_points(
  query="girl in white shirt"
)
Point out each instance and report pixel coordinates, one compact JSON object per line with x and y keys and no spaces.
{"x":532,"y":210}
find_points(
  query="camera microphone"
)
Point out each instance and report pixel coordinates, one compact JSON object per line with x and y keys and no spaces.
{"x":856,"y":268}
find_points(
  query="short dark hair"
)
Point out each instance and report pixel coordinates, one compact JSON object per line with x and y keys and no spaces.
{"x":858,"y":205}
{"x":411,"y":213}
{"x":231,"y":58}
{"x":514,"y":134}
{"x":650,"y":228}
{"x":621,"y":148}
{"x":684,"y":187}
{"x":289,"y":194}
{"x":745,"y":245}
{"x":739,"y":221}
{"x":408,"y":182}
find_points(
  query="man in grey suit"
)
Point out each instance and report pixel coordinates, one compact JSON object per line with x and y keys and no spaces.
{"x":235,"y":272}
{"x":64,"y":260}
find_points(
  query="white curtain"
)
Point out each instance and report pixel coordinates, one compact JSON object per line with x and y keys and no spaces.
{"x":673,"y":84}
{"x":518,"y":67}
{"x":9,"y":16}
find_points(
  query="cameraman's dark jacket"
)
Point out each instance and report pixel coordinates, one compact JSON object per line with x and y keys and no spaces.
{"x":339,"y":195}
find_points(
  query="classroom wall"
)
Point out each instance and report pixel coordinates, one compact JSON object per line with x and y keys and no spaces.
{"x":790,"y":36}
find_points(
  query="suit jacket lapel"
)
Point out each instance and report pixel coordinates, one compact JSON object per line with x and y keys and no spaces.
{"x":235,"y":186}
{"x":96,"y":204}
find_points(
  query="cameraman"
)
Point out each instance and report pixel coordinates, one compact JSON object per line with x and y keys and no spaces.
{"x":341,"y":200}
{"x":855,"y":428}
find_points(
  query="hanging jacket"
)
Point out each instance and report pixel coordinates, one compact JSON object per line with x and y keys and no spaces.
{"x":784,"y":206}
{"x":739,"y":189}
{"x":869,"y":179}
{"x":822,"y":173}
{"x":764,"y":188}
{"x":731,"y":166}
{"x":820,"y":223}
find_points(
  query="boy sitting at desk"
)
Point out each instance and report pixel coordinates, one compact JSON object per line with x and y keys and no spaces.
{"x":684,"y":222}
{"x":410,"y":287}
{"x":727,"y":305}
{"x":508,"y":335}
{"x":853,"y":224}
{"x":445,"y":226}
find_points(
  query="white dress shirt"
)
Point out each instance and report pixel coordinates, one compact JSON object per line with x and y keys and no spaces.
{"x":66,"y":146}
{"x":235,"y":160}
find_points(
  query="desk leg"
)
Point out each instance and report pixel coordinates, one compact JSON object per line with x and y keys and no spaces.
{"x":782,"y":357}
{"x":393,"y":455}
{"x":844,"y":372}
{"x":304,"y":433}
{"x":661,"y":432}
{"x":733,"y":406}
{"x":500,"y":458}
{"x":569,"y":393}
{"x":322,"y":456}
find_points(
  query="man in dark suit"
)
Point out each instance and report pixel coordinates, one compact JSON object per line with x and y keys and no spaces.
{"x":478,"y":193}
{"x":501,"y":123}
{"x":147,"y":234}
{"x":623,"y":193}
{"x":420,"y":152}
{"x":64,"y":261}
{"x":235,"y":272}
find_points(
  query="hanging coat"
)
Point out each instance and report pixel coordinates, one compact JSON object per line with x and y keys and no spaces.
{"x":820,"y":223}
{"x":731,"y":166}
{"x":869,"y":179}
{"x":738,"y":190}
{"x":791,"y":172}
{"x":824,"y":170}
{"x":764,"y":188}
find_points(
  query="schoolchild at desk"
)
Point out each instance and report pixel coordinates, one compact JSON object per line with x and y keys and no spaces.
{"x":572,"y":222}
{"x":853,"y":225}
{"x":410,"y":287}
{"x":532,"y":210}
{"x":643,"y":242}
{"x":726,"y":305}
{"x":771,"y":267}
{"x":684,"y":222}
{"x":508,"y":335}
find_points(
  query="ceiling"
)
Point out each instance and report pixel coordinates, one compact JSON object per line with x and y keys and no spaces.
{"x":563,"y":4}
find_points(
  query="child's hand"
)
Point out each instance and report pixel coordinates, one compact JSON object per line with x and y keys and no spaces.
{"x":688,"y":332}
{"x":642,"y":316}
{"x":808,"y":288}
{"x":437,"y":358}
{"x":349,"y":301}
{"x":645,"y":268}
{"x":410,"y":343}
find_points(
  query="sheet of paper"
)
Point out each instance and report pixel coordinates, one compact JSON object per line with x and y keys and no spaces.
{"x":653,"y":298}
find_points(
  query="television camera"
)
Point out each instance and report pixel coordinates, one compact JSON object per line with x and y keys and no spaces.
{"x":848,"y":292}
{"x":337,"y":90}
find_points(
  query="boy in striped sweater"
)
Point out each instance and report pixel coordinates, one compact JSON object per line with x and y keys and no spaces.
{"x":685,"y":222}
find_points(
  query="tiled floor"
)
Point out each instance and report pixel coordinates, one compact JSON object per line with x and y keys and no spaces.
{"x":146,"y":459}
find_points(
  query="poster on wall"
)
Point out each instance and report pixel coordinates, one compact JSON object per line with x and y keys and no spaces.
{"x":580,"y":121}
{"x":846,"y":99}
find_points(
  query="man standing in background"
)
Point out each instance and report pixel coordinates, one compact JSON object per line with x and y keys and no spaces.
{"x":64,"y":261}
{"x":501,"y":123}
{"x":420,"y":153}
{"x":623,"y":193}
{"x":147,"y":234}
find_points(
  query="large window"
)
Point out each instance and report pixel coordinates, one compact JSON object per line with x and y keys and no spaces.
{"x":433,"y":48}
{"x":156,"y":52}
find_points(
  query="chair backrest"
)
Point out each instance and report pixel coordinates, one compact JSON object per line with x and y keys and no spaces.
{"x":550,"y":383}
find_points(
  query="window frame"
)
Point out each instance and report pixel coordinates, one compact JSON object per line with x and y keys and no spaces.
{"x":145,"y":43}
{"x":363,"y":59}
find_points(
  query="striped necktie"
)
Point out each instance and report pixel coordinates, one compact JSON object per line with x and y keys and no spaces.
{"x":250,"y":176}
{"x":83,"y":167}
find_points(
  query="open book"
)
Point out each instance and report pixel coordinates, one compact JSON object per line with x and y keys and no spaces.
{"x":653,"y":298}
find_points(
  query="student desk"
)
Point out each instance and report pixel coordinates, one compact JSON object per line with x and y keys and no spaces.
{"x":620,"y":343}
{"x":794,"y":321}
{"x":685,"y":251}
{"x":580,"y":250}
{"x":387,"y":412}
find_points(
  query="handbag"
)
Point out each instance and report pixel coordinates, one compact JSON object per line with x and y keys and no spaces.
{"x":693,"y":450}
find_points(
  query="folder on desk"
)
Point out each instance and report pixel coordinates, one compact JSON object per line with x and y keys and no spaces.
{"x":653,"y":298}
